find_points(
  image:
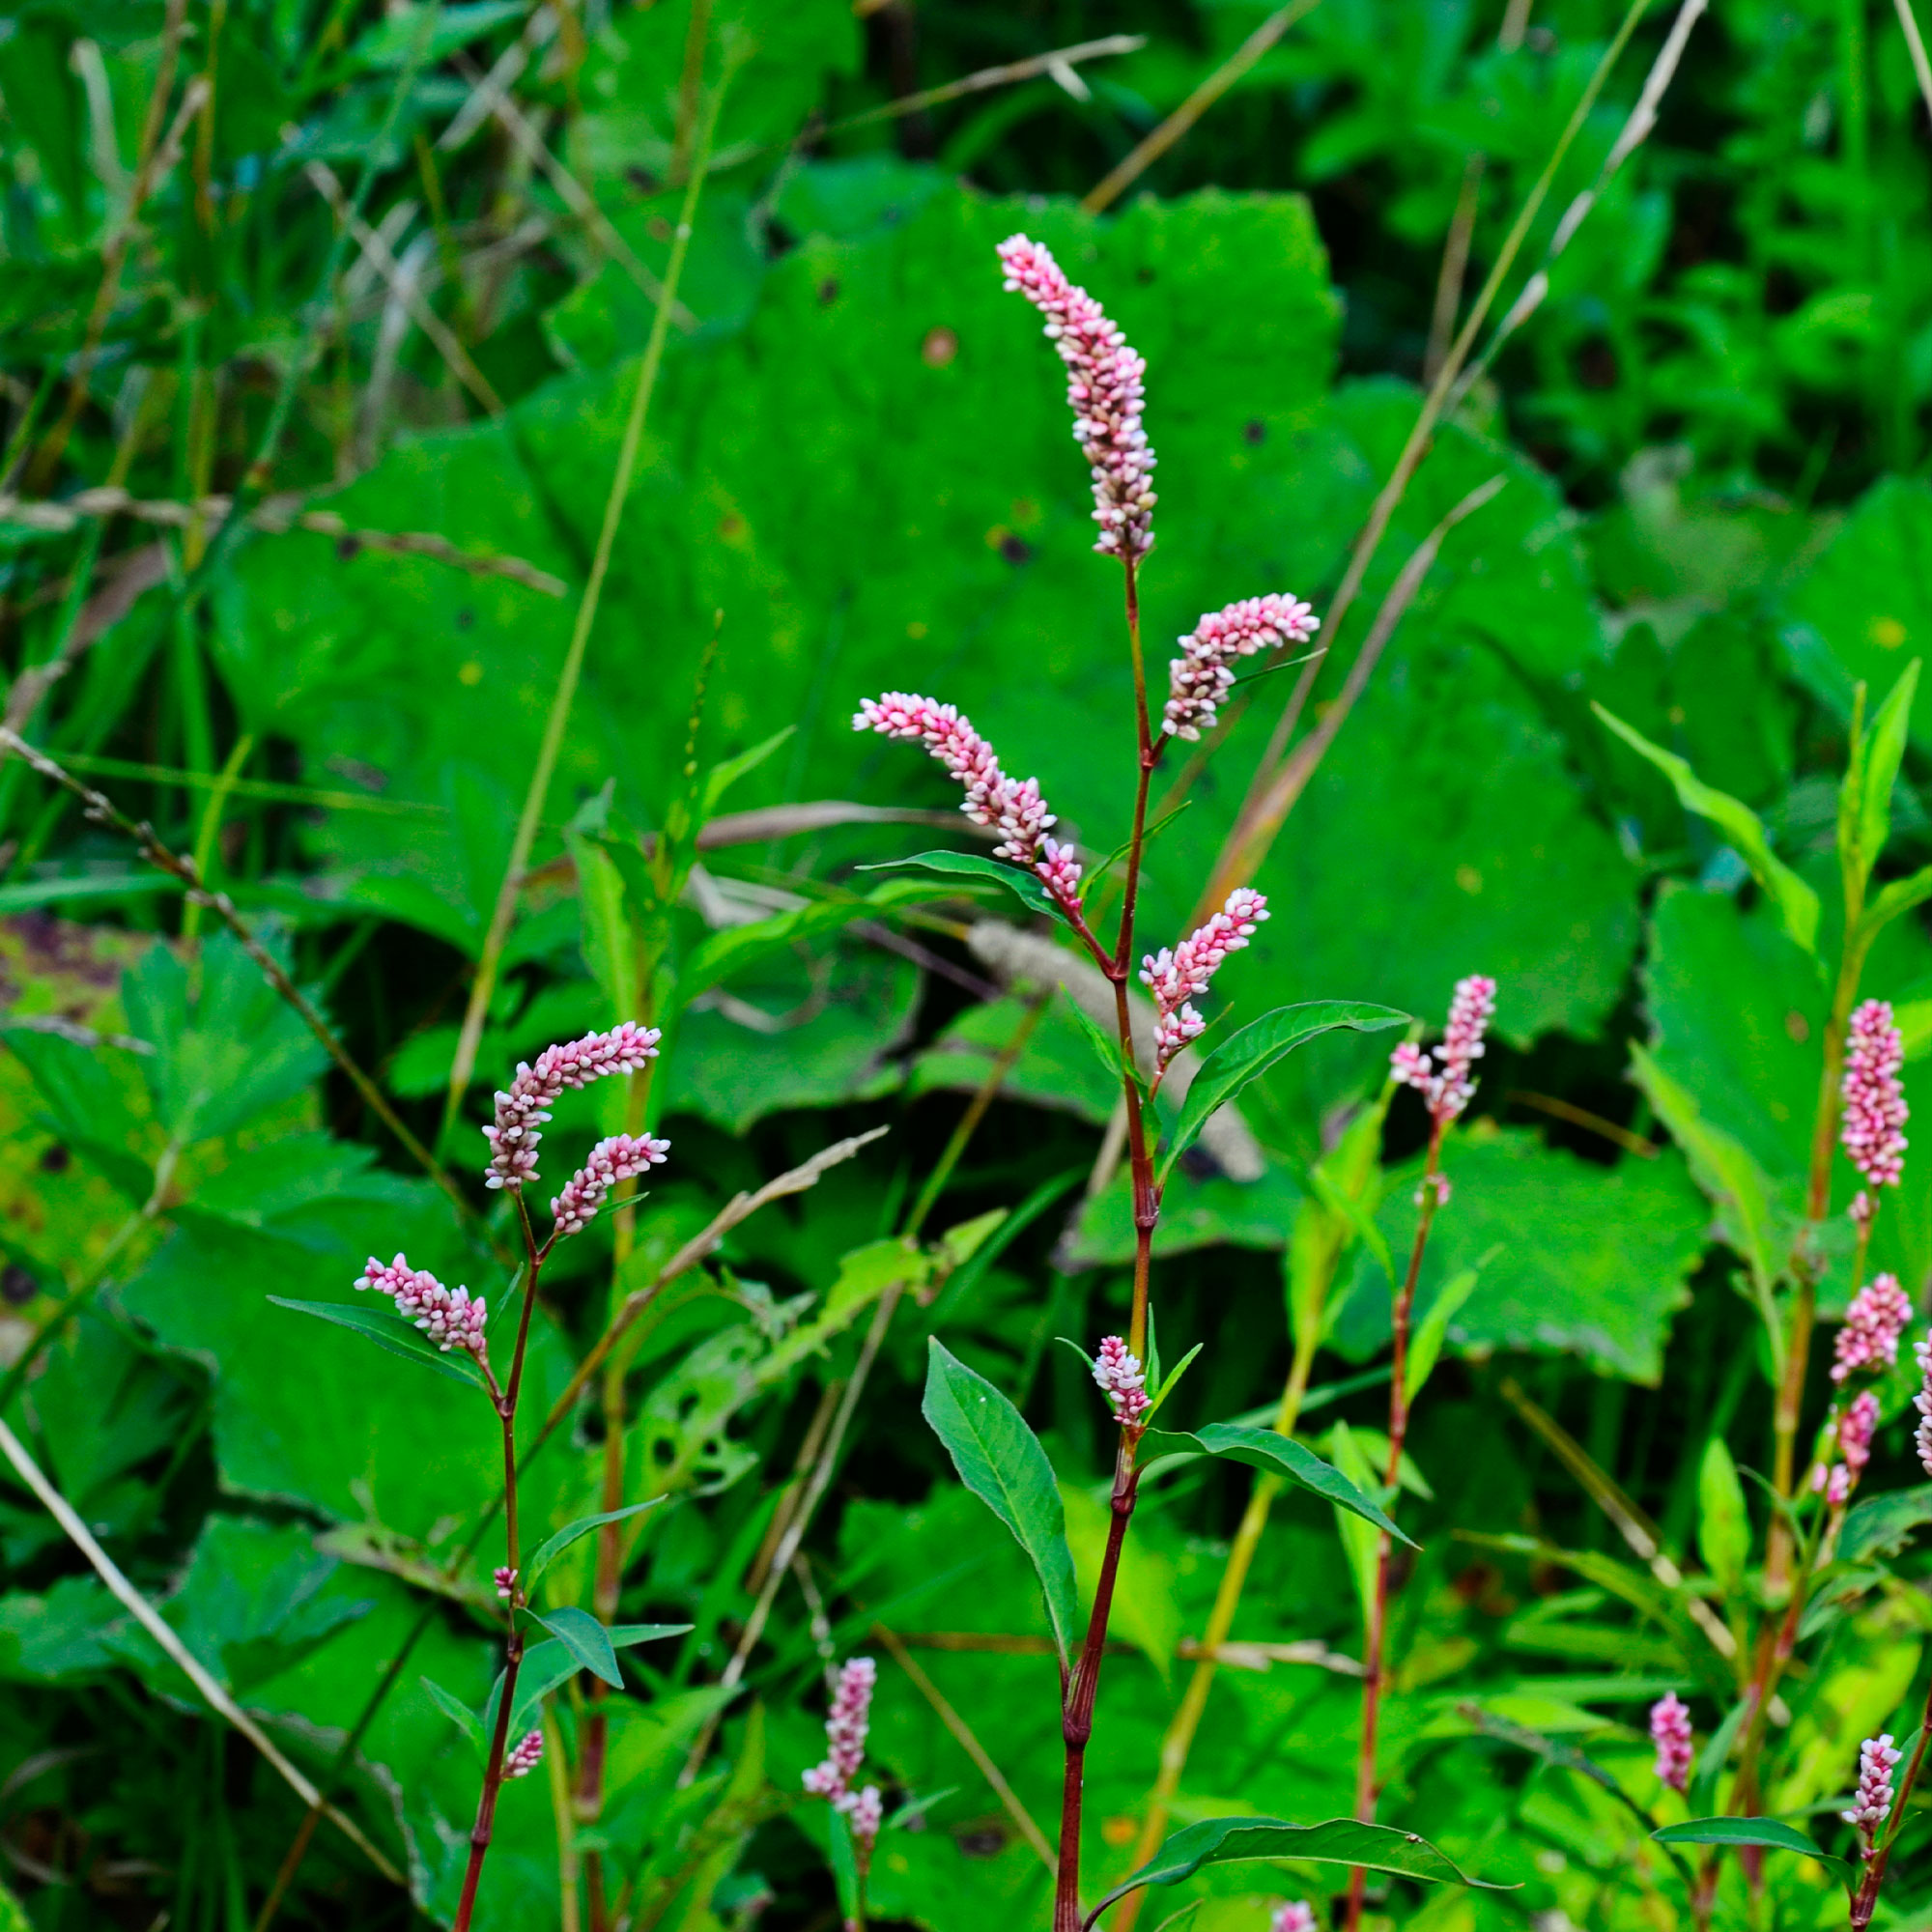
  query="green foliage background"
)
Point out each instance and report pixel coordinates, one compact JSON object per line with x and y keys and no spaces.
{"x":856,"y":475}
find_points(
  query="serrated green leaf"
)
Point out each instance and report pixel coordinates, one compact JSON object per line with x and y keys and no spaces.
{"x":1797,"y":903}
{"x":1339,"y":1841}
{"x":1260,"y":1045}
{"x":586,"y":1640}
{"x":971,"y":866}
{"x":1001,"y":1460}
{"x":385,"y":1328}
{"x":1280,"y":1456}
{"x":552,"y":1547}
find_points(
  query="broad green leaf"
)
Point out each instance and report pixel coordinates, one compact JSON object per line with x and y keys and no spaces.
{"x":1340,"y":1841}
{"x":1880,"y":1526}
{"x":1796,"y":902}
{"x":1025,"y":886}
{"x":383,"y":1326}
{"x":1425,"y":1345}
{"x":1259,"y":1046}
{"x":458,"y":1713}
{"x":552,"y":1547}
{"x":1883,"y":752}
{"x":1279,"y":1456}
{"x":1723,"y":1529}
{"x":1000,"y":1459}
{"x":586,"y":1640}
{"x":1766,"y":1832}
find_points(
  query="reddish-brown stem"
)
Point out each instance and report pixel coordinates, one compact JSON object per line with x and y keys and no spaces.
{"x":1076,"y":1719}
{"x":492,"y":1783}
{"x":1374,"y":1673}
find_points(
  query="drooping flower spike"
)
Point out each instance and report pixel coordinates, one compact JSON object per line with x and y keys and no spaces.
{"x":1123,"y":1382}
{"x":1878,"y":1758}
{"x":1104,"y":389}
{"x":1875,"y":1109}
{"x":449,"y":1320}
{"x":1443,"y":1079}
{"x":1670,"y":1733}
{"x":621,"y":1158}
{"x":1199,"y":678}
{"x":1873,"y":1323}
{"x":512,"y":1134}
{"x":1013,"y":807}
{"x":1180,"y":975}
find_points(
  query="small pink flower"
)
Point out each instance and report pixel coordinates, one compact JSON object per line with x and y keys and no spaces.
{"x":1873,"y":1323}
{"x":1294,"y":1917}
{"x":1013,"y":807}
{"x":1199,"y":678}
{"x":525,"y":1755}
{"x":1446,"y":1084}
{"x":1119,"y":1374}
{"x":1878,"y":1758}
{"x":621,"y":1158}
{"x":1670,"y":1733}
{"x":1177,"y":977}
{"x":1104,"y":387}
{"x":513,"y":1135}
{"x":1875,"y":1109}
{"x":505,"y":1580}
{"x":449,"y":1320}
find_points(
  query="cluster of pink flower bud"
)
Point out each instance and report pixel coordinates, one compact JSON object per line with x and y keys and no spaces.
{"x":1013,"y":807}
{"x":1856,"y":1430}
{"x":1122,"y":1381}
{"x":1921,"y":1354}
{"x":1670,"y":1733}
{"x":1105,"y":390}
{"x":1873,"y":1323}
{"x":1178,"y":976}
{"x":513,"y":1135}
{"x":1875,"y":1109}
{"x":1446,"y":1084}
{"x":1294,"y":1916}
{"x":621,"y":1158}
{"x":505,"y":1580}
{"x":525,"y":1755}
{"x":449,"y":1320}
{"x":1878,"y":1758}
{"x":1199,"y":678}
{"x":845,"y":1727}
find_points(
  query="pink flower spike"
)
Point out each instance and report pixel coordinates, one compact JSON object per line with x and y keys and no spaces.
{"x":1878,"y":1758}
{"x":1294,"y":1917}
{"x":1670,"y":1733}
{"x":1838,"y":1487}
{"x":1873,"y":1323}
{"x":525,"y":1755}
{"x":1444,"y":1082}
{"x":1177,"y":977}
{"x":1199,"y":678}
{"x":1118,"y":1372}
{"x":845,"y":1726}
{"x":513,"y":1135}
{"x":621,"y":1158}
{"x":1875,"y":1109}
{"x":1921,"y":1354}
{"x":450,"y":1320}
{"x":1104,"y":389}
{"x":1014,"y":808}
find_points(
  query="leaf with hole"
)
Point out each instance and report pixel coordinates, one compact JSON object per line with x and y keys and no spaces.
{"x":1339,"y":1841}
{"x":1001,"y":1460}
{"x":1277,"y":1454}
{"x":1260,"y":1045}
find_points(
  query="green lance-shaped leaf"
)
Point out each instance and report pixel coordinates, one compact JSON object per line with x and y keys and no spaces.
{"x":1883,"y":752}
{"x":1901,"y":895}
{"x":1106,"y":1045}
{"x":586,"y":1640}
{"x":1425,"y":1350}
{"x":1765,"y":1833}
{"x":624,"y":1635}
{"x":971,"y":866}
{"x":1797,"y":903}
{"x":1723,"y":1529}
{"x":1260,"y":1044}
{"x":1340,"y":1841}
{"x":1000,"y":1459}
{"x":458,"y":1713}
{"x":549,"y":1550}
{"x":1277,"y":1454}
{"x":385,"y":1328}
